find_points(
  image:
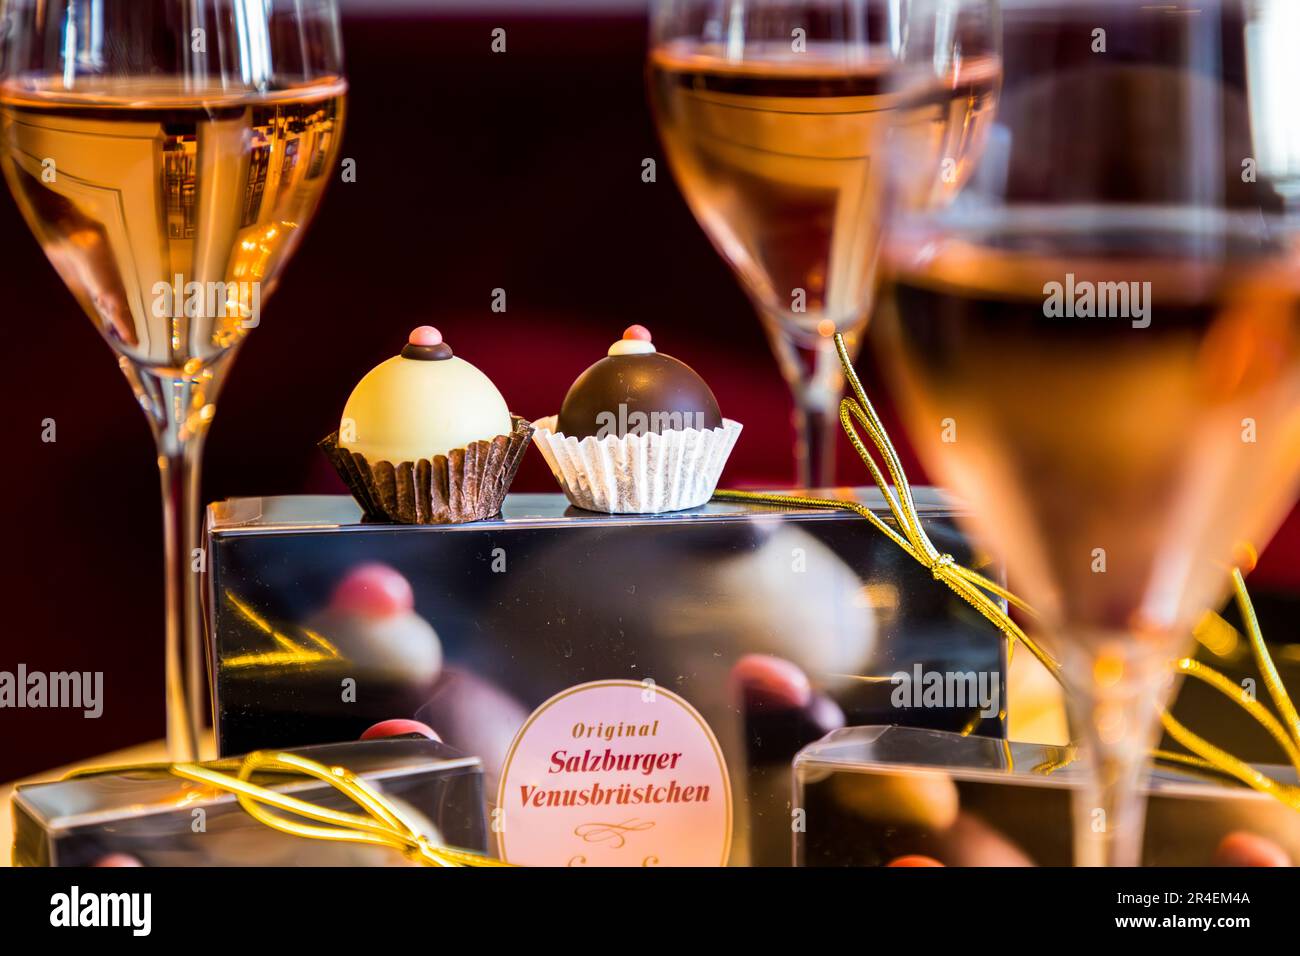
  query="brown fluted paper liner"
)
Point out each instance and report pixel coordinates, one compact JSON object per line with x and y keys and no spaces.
{"x":468,"y":484}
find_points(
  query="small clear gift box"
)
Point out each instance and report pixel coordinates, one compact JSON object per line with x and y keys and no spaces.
{"x":151,"y":816}
{"x":775,"y":624}
{"x":872,"y":796}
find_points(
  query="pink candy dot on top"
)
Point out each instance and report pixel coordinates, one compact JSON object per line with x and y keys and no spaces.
{"x":637,"y":333}
{"x":373,"y":590}
{"x":427,"y":335}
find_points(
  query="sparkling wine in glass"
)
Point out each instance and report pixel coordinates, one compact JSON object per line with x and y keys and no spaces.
{"x":1098,"y":348}
{"x":168,"y":156}
{"x":773,"y":116}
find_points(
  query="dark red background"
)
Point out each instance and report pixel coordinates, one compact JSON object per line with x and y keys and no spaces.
{"x":475,"y":171}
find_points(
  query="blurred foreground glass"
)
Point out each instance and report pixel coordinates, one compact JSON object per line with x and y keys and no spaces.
{"x":1098,"y":344}
{"x":773,"y":114}
{"x":168,"y":155}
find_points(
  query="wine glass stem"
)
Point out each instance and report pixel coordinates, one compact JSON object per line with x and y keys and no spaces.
{"x":1116,"y":716}
{"x":179,"y":469}
{"x":816,"y":380}
{"x":179,"y":409}
{"x":815,"y":448}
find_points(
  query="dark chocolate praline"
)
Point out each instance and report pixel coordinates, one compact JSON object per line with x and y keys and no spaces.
{"x":637,"y":394}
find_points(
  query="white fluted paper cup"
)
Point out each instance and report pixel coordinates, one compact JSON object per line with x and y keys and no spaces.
{"x":638,"y":474}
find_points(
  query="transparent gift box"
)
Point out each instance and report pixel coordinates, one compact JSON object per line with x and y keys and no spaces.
{"x":732,"y":606}
{"x":156,"y":818}
{"x":875,"y":795}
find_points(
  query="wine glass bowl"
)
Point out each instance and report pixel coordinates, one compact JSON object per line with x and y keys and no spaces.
{"x":774,"y":116}
{"x":167,"y":155}
{"x":1098,"y":347}
{"x":168,"y":213}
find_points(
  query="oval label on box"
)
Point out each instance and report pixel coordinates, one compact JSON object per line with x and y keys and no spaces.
{"x":615,"y":773}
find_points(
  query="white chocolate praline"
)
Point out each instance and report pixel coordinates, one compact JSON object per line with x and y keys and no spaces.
{"x":401,"y":647}
{"x":409,"y":409}
{"x":631,"y":347}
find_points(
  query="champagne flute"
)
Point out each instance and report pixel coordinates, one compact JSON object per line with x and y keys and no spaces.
{"x":1098,"y":347}
{"x":168,"y":155}
{"x":773,"y":114}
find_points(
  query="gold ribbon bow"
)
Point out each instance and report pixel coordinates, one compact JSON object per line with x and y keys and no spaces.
{"x":383,"y":824}
{"x":984,"y":595}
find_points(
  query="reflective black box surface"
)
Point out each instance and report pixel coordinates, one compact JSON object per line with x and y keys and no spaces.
{"x":510,"y":611}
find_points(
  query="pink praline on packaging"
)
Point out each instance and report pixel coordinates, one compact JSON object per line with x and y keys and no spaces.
{"x":771,"y":682}
{"x":373,"y":590}
{"x":399,"y":727}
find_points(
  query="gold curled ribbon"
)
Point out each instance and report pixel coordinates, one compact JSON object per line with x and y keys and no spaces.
{"x":383,"y":824}
{"x":985,"y":596}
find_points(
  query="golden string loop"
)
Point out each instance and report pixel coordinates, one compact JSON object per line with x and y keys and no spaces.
{"x":383,"y":823}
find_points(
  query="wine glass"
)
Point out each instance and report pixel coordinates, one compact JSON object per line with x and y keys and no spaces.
{"x":1098,"y":345}
{"x":168,"y":155}
{"x":773,"y":114}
